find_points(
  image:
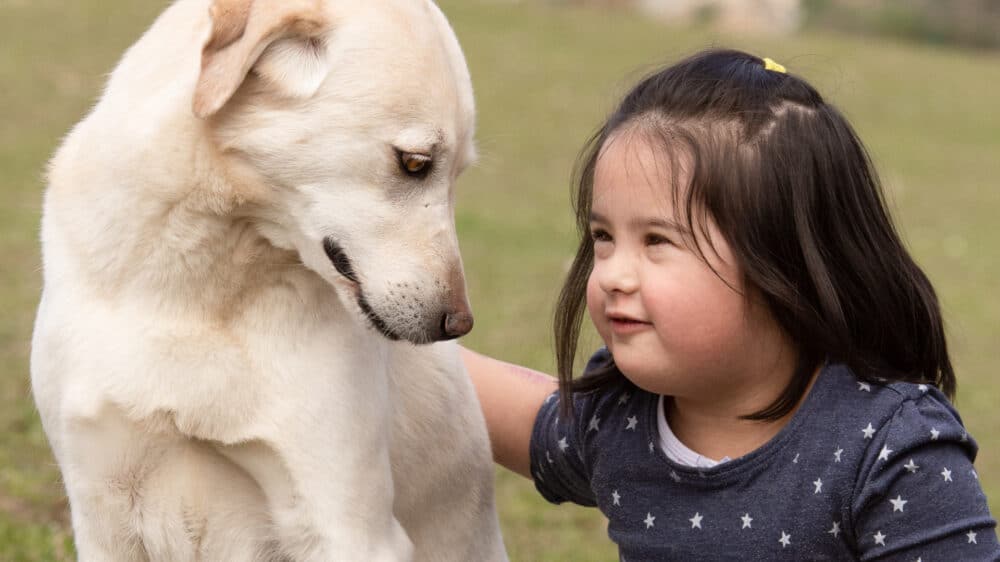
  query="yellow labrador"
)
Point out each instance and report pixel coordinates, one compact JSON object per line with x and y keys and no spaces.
{"x":249,"y":250}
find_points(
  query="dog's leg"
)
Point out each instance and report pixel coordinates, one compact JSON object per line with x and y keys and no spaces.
{"x":94,"y":535}
{"x":325,"y":470}
{"x":106,"y":465}
{"x":91,"y":544}
{"x":142,"y":492}
{"x":322,"y":513}
{"x":441,"y":457}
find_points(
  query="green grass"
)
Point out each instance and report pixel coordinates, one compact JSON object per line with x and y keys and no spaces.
{"x":544,"y":77}
{"x":22,"y":541}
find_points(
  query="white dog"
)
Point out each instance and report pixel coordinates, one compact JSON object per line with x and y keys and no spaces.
{"x":242,"y":243}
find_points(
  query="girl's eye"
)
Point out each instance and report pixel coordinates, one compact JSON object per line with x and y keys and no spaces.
{"x":656,"y":240}
{"x":598,"y":235}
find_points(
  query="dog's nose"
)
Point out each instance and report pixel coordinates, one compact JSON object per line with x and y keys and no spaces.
{"x":456,"y":324}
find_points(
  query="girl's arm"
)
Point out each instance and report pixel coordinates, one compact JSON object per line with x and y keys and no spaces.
{"x":510,"y":396}
{"x":918,"y":495}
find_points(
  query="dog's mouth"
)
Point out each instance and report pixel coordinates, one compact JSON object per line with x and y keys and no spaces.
{"x":343,"y":266}
{"x":340,"y":260}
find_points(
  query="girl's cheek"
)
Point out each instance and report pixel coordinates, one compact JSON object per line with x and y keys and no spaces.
{"x":595,"y":306}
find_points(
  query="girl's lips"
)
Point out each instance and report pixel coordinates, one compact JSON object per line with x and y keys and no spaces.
{"x":624,"y":326}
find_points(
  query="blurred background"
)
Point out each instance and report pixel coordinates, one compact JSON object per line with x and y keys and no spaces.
{"x":919,"y":79}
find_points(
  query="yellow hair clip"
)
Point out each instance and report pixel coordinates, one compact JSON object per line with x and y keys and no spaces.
{"x":771,"y":65}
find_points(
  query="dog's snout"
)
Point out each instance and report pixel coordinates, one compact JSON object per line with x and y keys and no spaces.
{"x":456,"y":324}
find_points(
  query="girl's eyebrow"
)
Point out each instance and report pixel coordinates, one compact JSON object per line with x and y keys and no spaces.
{"x":654,"y":221}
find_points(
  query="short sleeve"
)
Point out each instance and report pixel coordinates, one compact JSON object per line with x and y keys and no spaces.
{"x":919,"y":496}
{"x":559,"y":464}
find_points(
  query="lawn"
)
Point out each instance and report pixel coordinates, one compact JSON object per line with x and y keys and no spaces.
{"x":544,"y":77}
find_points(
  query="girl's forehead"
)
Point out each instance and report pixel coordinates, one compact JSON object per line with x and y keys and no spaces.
{"x":636,"y":149}
{"x":631,"y":161}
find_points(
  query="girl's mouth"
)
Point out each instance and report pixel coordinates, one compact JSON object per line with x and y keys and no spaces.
{"x":622,"y":325}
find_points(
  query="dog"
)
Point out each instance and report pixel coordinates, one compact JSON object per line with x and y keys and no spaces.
{"x":251,"y":274}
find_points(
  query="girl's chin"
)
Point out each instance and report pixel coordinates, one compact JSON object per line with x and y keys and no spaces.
{"x":630,"y":360}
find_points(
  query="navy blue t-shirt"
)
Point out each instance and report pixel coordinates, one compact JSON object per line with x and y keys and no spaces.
{"x":862,"y":471}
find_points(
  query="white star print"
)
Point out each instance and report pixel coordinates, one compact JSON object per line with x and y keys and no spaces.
{"x":836,"y":454}
{"x":624,"y":398}
{"x":615,"y":497}
{"x":934,"y":434}
{"x":947,"y":475}
{"x":884,"y":453}
{"x":922,"y":387}
{"x":746,"y":521}
{"x":974,"y":473}
{"x":650,"y":446}
{"x":864,"y":386}
{"x":911,"y":467}
{"x":835,"y":531}
{"x":649,"y":520}
{"x":868,"y":431}
{"x":563,"y":445}
{"x":696,"y":521}
{"x":593,"y":423}
{"x":549,"y":398}
{"x":819,"y":485}
{"x":965,"y":437}
{"x":796,"y":459}
{"x":879,"y":538}
{"x":972,"y":537}
{"x":785,"y":539}
{"x":631,"y":423}
{"x":898,"y":503}
{"x":676,"y":477}
{"x":548,"y":457}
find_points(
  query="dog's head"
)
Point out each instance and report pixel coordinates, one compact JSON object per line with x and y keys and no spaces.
{"x":356,"y":119}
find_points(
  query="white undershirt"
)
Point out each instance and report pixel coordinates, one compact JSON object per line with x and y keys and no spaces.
{"x":674,"y":449}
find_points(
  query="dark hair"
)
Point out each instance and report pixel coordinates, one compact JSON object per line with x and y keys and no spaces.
{"x":794,"y":193}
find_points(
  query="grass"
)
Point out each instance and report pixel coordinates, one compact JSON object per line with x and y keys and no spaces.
{"x":544,"y":76}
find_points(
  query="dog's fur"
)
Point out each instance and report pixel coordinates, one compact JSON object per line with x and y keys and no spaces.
{"x":237,"y":270}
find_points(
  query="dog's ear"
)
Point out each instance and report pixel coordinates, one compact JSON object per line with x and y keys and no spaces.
{"x":242,"y":30}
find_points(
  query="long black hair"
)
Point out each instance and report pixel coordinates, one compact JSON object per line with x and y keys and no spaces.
{"x":794,"y":193}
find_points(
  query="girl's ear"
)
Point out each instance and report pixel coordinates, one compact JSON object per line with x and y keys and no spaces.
{"x":280,"y":40}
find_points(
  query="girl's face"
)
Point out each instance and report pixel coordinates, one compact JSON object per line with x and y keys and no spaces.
{"x":673,"y":325}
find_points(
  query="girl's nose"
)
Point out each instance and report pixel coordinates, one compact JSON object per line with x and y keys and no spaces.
{"x":617,"y":273}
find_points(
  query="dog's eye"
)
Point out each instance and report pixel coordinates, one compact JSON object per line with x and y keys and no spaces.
{"x":413,"y":164}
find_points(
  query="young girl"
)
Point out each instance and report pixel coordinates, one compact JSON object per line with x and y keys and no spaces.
{"x":775,"y":379}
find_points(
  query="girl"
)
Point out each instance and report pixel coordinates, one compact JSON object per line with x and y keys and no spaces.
{"x":775,"y":379}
